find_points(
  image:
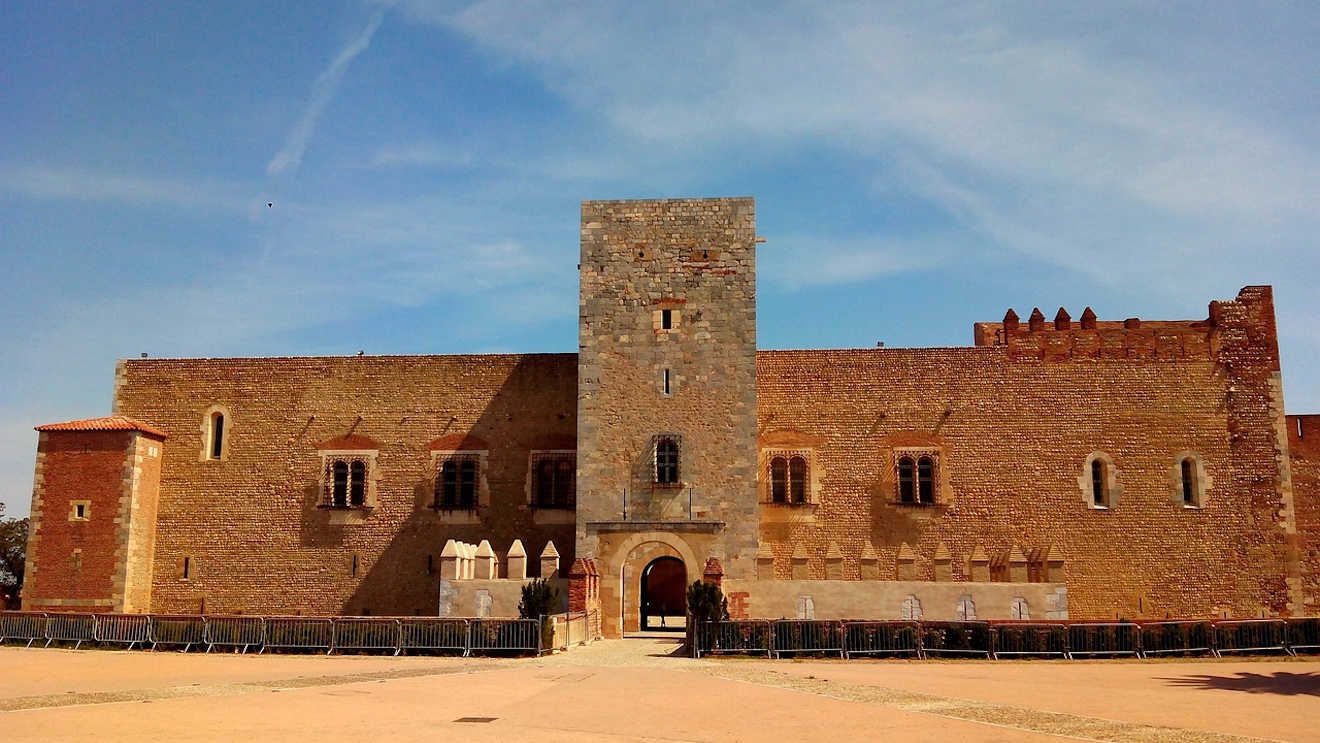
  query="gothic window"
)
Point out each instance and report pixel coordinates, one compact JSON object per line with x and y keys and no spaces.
{"x":778,"y":480}
{"x":797,"y":479}
{"x":456,"y":483}
{"x":666,"y":460}
{"x":339,"y":495}
{"x":926,"y":480}
{"x":906,"y":480}
{"x":357,"y":487}
{"x":554,"y":480}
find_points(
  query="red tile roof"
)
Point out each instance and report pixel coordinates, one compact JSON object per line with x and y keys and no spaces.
{"x":351,"y":442}
{"x":108,"y":423}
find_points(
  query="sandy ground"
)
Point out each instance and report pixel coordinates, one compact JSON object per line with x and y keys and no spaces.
{"x":633,"y":690}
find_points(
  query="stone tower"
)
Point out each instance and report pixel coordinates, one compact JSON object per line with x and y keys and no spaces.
{"x":666,"y":390}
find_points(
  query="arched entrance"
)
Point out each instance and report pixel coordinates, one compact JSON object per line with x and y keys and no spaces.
{"x":664,"y":595}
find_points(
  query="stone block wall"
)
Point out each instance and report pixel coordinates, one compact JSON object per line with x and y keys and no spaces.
{"x":1304,"y":448}
{"x":251,"y":525}
{"x":843,"y":599}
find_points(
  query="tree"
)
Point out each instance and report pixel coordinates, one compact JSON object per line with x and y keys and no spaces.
{"x":540,"y":599}
{"x":706,"y":603}
{"x":13,"y":553}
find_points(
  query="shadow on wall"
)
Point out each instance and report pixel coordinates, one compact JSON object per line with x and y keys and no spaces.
{"x":1279,"y":682}
{"x":534,"y":404}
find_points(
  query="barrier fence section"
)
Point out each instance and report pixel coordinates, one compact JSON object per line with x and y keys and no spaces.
{"x":123,"y":629}
{"x":491,"y":635}
{"x":807,"y":636}
{"x":238,"y":632}
{"x":366,"y":633}
{"x":956,"y":638}
{"x":1251,"y":635}
{"x":433,"y":633}
{"x":299,"y":633}
{"x":1177,"y":637}
{"x":1303,"y":634}
{"x":22,"y":625}
{"x":178,"y":629}
{"x":1103,"y":638}
{"x":881,"y":638}
{"x":734,"y":636}
{"x":71,"y":627}
{"x":1034,"y":638}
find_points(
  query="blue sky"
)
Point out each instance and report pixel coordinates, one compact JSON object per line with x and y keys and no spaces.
{"x":917,"y":167}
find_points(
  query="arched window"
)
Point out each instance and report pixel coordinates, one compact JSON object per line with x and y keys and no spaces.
{"x":906,"y":480}
{"x":666,"y":461}
{"x":566,"y":483}
{"x":778,"y":480}
{"x":339,"y":494}
{"x":797,"y":479}
{"x":217,"y":435}
{"x":357,"y":490}
{"x":911,"y":608}
{"x":926,"y":479}
{"x":1189,"y":481}
{"x":467,"y":482}
{"x":545,"y":483}
{"x":965,"y":609}
{"x":1098,"y":486}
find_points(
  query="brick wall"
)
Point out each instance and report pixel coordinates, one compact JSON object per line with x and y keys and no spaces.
{"x":79,"y":564}
{"x":1012,"y":432}
{"x":249,"y":523}
{"x":1304,"y":447}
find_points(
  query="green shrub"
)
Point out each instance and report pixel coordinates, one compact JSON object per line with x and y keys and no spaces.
{"x":706,"y":603}
{"x":540,"y":599}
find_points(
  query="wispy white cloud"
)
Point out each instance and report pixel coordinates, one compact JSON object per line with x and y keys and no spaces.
{"x":423,"y":154}
{"x":323,"y":91}
{"x":88,"y":185}
{"x":798,"y":261}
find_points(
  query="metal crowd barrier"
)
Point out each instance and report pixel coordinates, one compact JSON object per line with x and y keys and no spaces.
{"x":1251,"y":635}
{"x":178,"y":629}
{"x":1303,"y":634}
{"x":734,"y":636}
{"x":433,"y":633}
{"x":881,"y":638}
{"x":299,"y":633}
{"x":22,"y":625}
{"x":1034,"y":638}
{"x":488,"y":635}
{"x":75,"y":628}
{"x":807,"y":636}
{"x":956,"y":638}
{"x":1177,"y":637}
{"x":366,"y":633}
{"x":1104,"y":638}
{"x":120,"y":629}
{"x":237,"y":632}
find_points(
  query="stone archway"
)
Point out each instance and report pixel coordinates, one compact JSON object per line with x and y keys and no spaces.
{"x":664,"y":595}
{"x":621,"y":589}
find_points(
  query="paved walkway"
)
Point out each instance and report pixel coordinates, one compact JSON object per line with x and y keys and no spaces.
{"x":638,"y":690}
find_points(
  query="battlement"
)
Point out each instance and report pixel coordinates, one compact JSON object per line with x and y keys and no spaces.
{"x":1061,"y":339}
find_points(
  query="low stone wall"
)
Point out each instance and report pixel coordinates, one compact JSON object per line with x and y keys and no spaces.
{"x":488,"y":598}
{"x":850,"y":599}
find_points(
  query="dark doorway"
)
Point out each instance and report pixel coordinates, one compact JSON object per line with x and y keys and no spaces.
{"x":664,"y":595}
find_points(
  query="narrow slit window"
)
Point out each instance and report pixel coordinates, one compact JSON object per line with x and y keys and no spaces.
{"x":80,"y":511}
{"x":926,"y":480}
{"x":339,"y":495}
{"x":187,"y":567}
{"x":358,"y":484}
{"x":797,"y":479}
{"x":906,"y":480}
{"x":1098,"y":482}
{"x":778,"y":480}
{"x":667,"y":319}
{"x":666,"y":381}
{"x":355,"y":566}
{"x":1189,"y":481}
{"x":217,"y":435}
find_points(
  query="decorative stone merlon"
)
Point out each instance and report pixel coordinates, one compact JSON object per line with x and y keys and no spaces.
{"x":765,"y":562}
{"x":713,"y":572}
{"x":487,"y":567}
{"x":449,"y":559}
{"x":517,"y":561}
{"x":869,"y":563}
{"x":905,"y":566}
{"x":833,"y":563}
{"x":943,"y":563}
{"x":549,"y":561}
{"x":799,"y":560}
{"x":1017,"y":565}
{"x":978,"y":565}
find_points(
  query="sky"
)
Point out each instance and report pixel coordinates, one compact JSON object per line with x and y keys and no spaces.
{"x":917,"y":167}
